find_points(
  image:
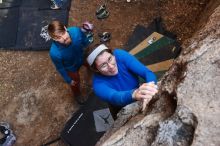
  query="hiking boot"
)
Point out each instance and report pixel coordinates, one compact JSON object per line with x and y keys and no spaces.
{"x":104,"y":37}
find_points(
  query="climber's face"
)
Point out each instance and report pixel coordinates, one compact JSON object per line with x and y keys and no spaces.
{"x":106,"y":64}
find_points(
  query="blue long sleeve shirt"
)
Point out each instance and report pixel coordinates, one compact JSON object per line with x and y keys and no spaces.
{"x":118,"y":89}
{"x":69,"y":58}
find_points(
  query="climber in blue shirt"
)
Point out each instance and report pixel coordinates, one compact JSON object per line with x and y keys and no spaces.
{"x":66,"y":52}
{"x":116,"y":77}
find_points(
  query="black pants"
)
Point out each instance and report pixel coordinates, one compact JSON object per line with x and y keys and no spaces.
{"x":114,"y":110}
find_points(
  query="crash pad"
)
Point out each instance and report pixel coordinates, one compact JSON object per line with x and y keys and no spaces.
{"x":154,"y":47}
{"x":23,"y":23}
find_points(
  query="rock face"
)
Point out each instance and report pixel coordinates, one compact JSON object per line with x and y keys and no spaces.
{"x":37,"y":103}
{"x":186,"y":111}
{"x":201,"y":87}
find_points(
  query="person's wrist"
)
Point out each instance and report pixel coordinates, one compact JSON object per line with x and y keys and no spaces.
{"x":134,"y":94}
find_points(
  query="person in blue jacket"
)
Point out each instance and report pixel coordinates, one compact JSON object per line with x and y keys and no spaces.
{"x":116,"y":77}
{"x":67,"y":52}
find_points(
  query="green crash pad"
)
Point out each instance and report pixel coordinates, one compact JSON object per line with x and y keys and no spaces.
{"x":157,"y":52}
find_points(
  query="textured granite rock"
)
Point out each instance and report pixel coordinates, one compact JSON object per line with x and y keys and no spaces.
{"x":186,"y":111}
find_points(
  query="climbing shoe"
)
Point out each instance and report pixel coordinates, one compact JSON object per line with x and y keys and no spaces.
{"x":89,"y":35}
{"x":101,"y":9}
{"x":104,"y":37}
{"x":103,"y":15}
{"x":87,"y":26}
{"x":8,"y":138}
{"x":101,"y":12}
{"x":54,"y":7}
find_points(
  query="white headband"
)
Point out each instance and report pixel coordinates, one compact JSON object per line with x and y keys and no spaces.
{"x":91,"y":58}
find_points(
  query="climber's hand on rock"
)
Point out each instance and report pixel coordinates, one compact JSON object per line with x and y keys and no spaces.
{"x":145,"y":91}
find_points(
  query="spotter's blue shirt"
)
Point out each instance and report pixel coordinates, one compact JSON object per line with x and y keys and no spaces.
{"x":117,"y":90}
{"x":69,"y":57}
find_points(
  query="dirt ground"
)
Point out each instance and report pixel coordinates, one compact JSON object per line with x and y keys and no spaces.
{"x":33,"y":97}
